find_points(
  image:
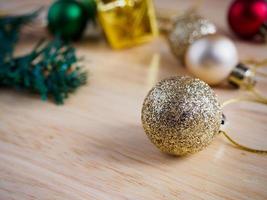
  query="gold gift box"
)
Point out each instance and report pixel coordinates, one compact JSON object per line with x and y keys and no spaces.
{"x":127,"y":22}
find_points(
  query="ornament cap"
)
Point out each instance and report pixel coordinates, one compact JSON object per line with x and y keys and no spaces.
{"x":242,"y":77}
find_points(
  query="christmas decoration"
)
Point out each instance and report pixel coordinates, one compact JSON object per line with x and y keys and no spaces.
{"x":211,"y":58}
{"x":186,"y":29}
{"x":68,"y":18}
{"x":248,"y":18}
{"x":208,"y":57}
{"x":90,"y":7}
{"x":50,"y":69}
{"x":214,"y":59}
{"x":127,"y":22}
{"x":182,"y":115}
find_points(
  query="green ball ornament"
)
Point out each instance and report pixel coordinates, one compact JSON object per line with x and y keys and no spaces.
{"x":68,"y":18}
{"x":90,"y":6}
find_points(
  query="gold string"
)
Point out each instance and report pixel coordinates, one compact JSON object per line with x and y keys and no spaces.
{"x":240,"y":146}
{"x":258,"y":95}
{"x":256,"y":65}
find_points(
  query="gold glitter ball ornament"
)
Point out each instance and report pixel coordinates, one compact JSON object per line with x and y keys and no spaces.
{"x":187,"y":29}
{"x":181,"y":115}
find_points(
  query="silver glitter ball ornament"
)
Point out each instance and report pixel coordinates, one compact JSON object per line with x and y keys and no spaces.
{"x":187,"y":29}
{"x":181,"y":115}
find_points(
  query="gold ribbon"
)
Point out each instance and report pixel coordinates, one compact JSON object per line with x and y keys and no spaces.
{"x":240,"y":146}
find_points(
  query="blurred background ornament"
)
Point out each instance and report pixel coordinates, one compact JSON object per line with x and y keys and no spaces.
{"x":211,"y":58}
{"x":68,"y":18}
{"x":182,"y":115}
{"x":127,"y":22}
{"x":207,"y":55}
{"x":194,"y":42}
{"x":186,"y":29}
{"x":248,"y":19}
{"x":214,"y":59}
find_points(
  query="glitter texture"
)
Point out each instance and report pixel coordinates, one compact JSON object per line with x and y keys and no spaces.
{"x":187,"y":29}
{"x":181,"y":115}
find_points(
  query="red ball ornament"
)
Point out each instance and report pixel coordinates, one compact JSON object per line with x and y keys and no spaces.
{"x":248,"y":18}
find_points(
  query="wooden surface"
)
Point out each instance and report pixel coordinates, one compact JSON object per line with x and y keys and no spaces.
{"x":94,"y":146}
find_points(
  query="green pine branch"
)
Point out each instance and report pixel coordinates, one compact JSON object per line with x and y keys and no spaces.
{"x":50,"y":69}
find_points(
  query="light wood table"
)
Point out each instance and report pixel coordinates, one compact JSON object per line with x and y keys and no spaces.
{"x":94,"y":146}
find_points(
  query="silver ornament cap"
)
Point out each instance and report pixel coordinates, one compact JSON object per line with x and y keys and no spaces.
{"x":181,"y":115}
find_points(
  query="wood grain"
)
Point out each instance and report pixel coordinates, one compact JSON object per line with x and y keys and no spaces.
{"x":94,"y":146}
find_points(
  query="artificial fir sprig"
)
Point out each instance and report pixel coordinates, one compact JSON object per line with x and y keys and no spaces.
{"x":51,"y":69}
